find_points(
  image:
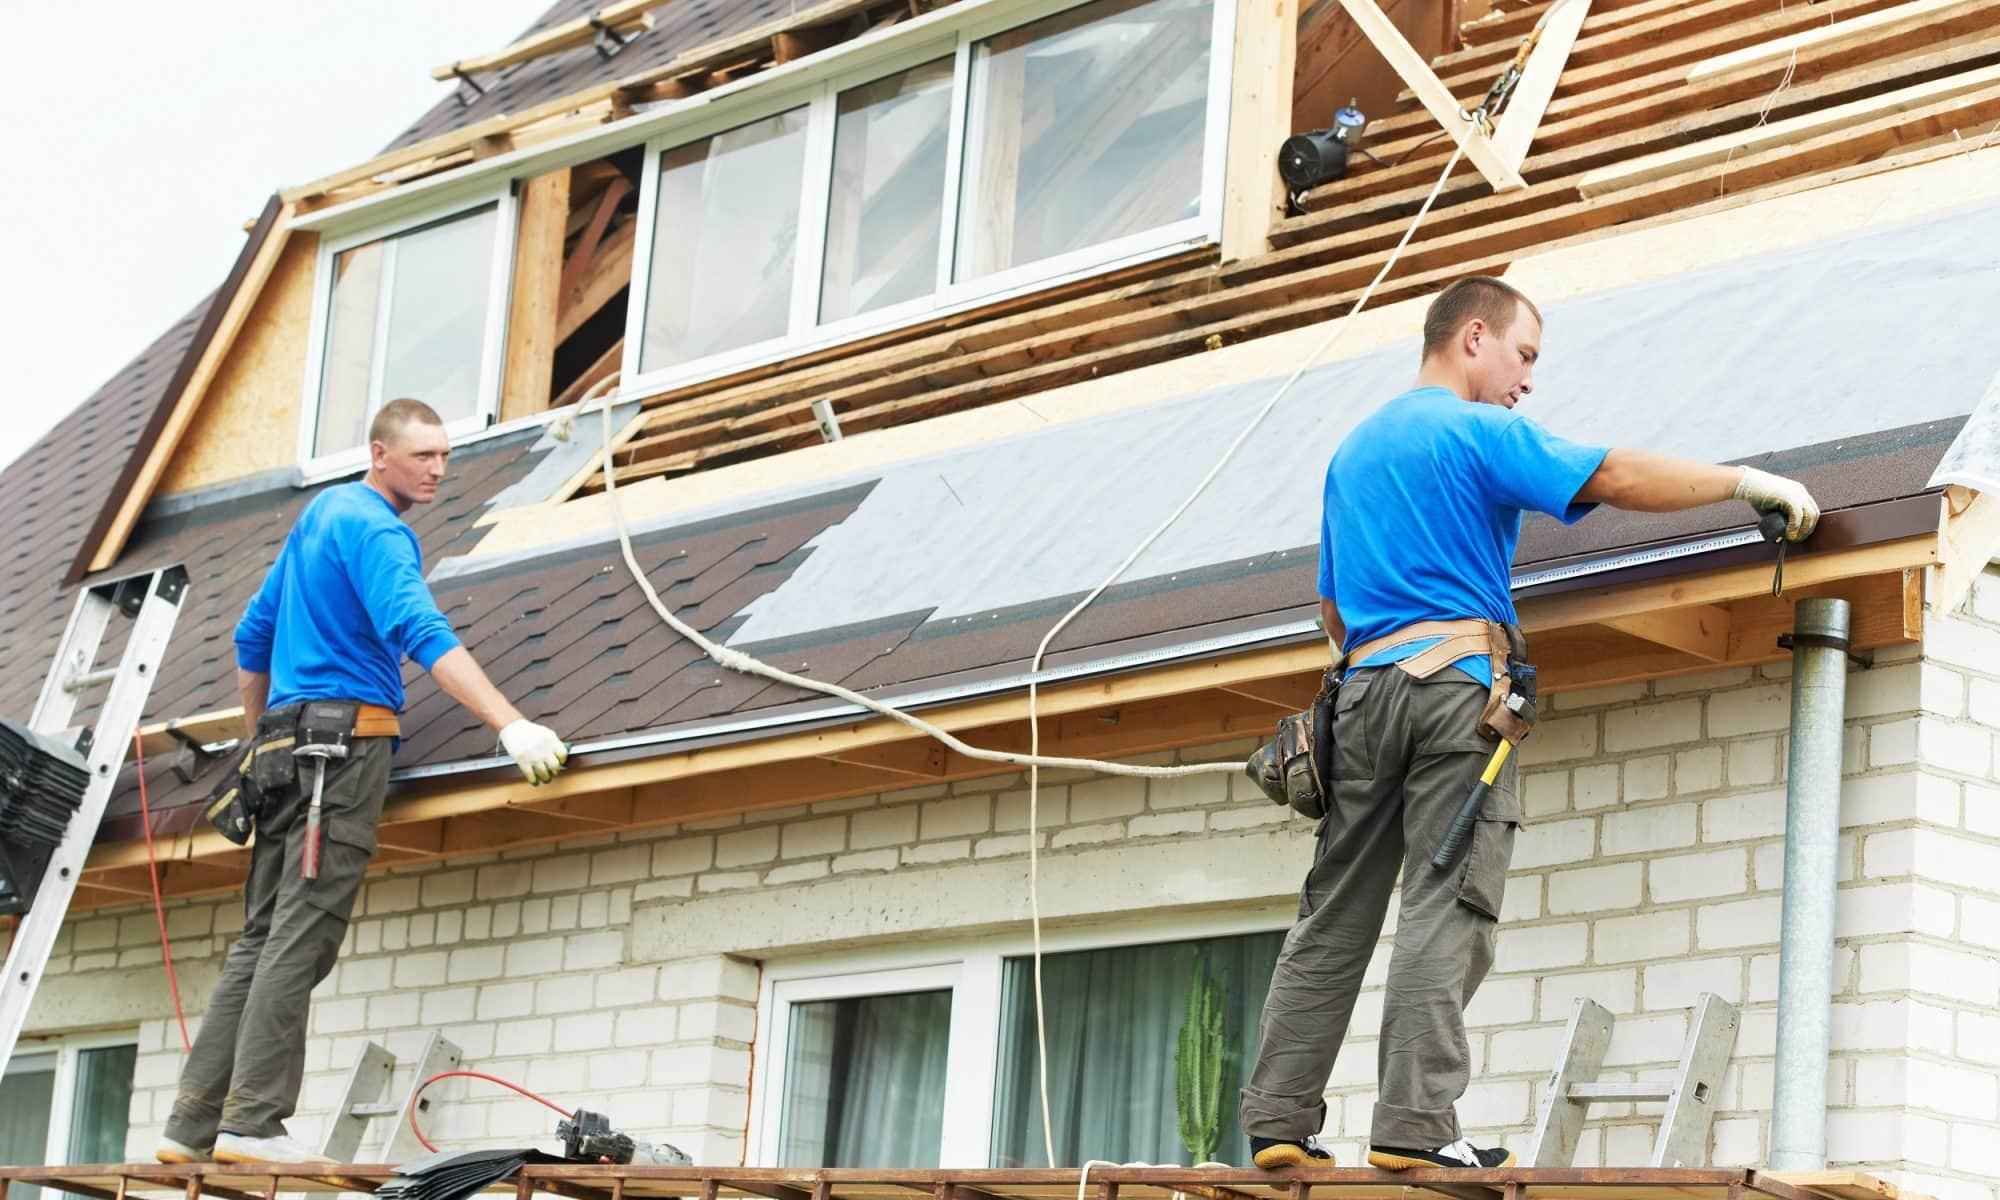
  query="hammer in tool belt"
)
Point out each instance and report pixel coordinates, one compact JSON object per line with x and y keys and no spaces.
{"x":322,"y":738}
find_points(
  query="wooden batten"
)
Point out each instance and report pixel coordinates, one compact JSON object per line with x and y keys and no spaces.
{"x":626,"y":18}
{"x":1432,"y":94}
{"x":1260,"y":119}
{"x":531,"y":316}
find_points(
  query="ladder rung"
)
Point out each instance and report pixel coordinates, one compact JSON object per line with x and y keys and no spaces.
{"x":375,"y":1110}
{"x":1610,"y":1092}
{"x":90,"y":679}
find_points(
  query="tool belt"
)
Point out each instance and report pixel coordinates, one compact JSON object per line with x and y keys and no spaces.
{"x":1295,"y":768}
{"x":1510,"y":706}
{"x":266,"y":765}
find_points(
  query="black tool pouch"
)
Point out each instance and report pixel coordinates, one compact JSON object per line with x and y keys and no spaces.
{"x":1295,"y":767}
{"x":271,"y":768}
{"x":233,"y":802}
{"x":327,"y":722}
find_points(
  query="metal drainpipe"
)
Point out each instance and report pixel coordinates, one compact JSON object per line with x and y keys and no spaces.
{"x":1812,"y":840}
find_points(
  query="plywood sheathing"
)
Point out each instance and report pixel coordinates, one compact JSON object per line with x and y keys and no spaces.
{"x":248,"y":419}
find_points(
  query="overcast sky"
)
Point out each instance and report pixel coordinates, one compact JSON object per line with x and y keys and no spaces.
{"x":139,"y":139}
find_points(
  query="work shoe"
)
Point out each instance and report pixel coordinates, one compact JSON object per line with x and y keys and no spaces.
{"x":242,"y":1148}
{"x":167,"y":1150}
{"x":1272,"y":1153}
{"x":1460,"y":1153}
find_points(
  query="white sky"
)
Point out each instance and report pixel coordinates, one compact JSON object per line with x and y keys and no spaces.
{"x":139,"y":139}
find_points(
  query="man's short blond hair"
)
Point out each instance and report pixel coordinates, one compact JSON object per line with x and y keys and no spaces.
{"x":1475,"y":297}
{"x":397,"y":414}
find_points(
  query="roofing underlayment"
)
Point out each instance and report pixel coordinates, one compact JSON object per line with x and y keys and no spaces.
{"x":1850,"y":364}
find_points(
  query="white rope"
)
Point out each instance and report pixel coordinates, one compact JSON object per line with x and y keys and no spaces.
{"x":1034,"y":760}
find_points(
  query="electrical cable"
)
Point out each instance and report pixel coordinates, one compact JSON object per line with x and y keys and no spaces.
{"x":417,"y":1130}
{"x":153,"y":873}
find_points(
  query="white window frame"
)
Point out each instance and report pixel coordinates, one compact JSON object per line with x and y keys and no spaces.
{"x":974,"y":970}
{"x":62,"y":1096}
{"x":820,"y":94}
{"x":318,"y":467}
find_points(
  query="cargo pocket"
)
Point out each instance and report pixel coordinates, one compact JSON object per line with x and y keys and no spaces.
{"x":1315,"y":874}
{"x":1353,"y":746}
{"x":1484,"y":883}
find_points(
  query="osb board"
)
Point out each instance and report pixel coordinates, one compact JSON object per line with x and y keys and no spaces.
{"x":249,"y":418}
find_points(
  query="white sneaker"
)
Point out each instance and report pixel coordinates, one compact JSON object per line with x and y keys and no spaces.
{"x":167,"y":1150}
{"x":240,"y":1148}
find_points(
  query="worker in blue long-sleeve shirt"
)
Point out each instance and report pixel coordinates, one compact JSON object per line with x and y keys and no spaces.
{"x":319,"y":663}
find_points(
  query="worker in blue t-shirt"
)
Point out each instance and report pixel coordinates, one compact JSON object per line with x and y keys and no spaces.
{"x":1424,"y":501}
{"x":319,"y":658}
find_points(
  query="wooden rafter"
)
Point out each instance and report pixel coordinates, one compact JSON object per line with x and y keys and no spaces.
{"x":1433,"y":95}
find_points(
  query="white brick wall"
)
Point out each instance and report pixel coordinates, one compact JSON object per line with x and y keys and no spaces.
{"x":1649,"y":871}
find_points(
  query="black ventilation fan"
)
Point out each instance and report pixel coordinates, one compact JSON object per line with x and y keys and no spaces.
{"x":42,"y":783}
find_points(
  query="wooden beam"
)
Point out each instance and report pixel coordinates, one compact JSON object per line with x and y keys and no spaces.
{"x":1968,"y":539}
{"x":1699,"y":629}
{"x":216,"y":726}
{"x":1432,"y":94}
{"x":1537,"y":85}
{"x":609,"y":272}
{"x":1854,"y":32}
{"x":241,"y":301}
{"x":1779,"y":133}
{"x":1260,"y":119}
{"x":626,"y":17}
{"x":602,"y":210}
{"x":531,"y":323}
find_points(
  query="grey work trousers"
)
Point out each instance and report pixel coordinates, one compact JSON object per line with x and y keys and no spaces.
{"x":244,"y":1072}
{"x":1406,"y":753}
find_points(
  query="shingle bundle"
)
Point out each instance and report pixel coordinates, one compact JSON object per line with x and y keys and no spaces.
{"x":42,"y":783}
{"x":455,"y":1174}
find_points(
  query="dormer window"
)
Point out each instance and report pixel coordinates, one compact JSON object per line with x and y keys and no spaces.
{"x":419,"y":313}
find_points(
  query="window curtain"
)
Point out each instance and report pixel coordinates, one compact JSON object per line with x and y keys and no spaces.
{"x":1114,"y":1025}
{"x":102,"y":1111}
{"x":864,"y":1081}
{"x":26,"y":1095}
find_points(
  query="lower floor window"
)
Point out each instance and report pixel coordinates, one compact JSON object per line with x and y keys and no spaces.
{"x":936,"y":1065}
{"x":66,"y":1104}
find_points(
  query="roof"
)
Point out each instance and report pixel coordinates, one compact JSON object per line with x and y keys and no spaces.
{"x":883,"y":580}
{"x":939,"y":574}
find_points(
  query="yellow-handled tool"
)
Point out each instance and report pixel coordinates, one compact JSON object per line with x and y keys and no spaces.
{"x":1468,"y":812}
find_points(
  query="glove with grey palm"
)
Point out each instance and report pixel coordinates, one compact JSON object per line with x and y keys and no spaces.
{"x":1766,"y":492}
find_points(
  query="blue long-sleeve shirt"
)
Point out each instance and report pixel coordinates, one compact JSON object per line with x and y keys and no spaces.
{"x":343,"y":605}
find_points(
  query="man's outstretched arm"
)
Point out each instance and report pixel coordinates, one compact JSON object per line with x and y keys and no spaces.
{"x":535,"y":748}
{"x":1643,"y":482}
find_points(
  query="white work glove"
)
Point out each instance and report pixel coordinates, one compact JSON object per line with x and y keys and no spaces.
{"x":535,"y":749}
{"x":1766,"y":492}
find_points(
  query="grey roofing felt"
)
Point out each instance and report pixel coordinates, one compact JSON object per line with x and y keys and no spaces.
{"x":1974,"y":457}
{"x":1809,"y":346}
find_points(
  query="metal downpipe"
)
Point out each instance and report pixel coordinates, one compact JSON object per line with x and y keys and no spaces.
{"x":1812,"y":840}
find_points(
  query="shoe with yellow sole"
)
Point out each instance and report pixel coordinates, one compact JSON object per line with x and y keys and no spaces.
{"x":1460,"y":1153}
{"x":1273,"y":1153}
{"x":167,"y":1150}
{"x":242,"y":1148}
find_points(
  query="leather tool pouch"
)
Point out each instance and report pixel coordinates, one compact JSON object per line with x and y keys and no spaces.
{"x":1510,"y":710}
{"x":327,"y":722}
{"x":270,"y":767}
{"x":1295,"y":767}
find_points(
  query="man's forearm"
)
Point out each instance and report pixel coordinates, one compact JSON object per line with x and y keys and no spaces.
{"x":464,"y":681}
{"x":1642,"y":482}
{"x":255,"y":688}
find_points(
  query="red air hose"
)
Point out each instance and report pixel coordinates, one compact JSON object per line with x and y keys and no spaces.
{"x":153,"y":872}
{"x":505,"y":1083}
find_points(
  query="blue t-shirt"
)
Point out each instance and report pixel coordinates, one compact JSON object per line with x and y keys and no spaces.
{"x":1423,"y":508}
{"x":342,"y":606}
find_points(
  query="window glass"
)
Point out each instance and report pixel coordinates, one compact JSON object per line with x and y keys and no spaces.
{"x":725,"y":240}
{"x":1117,"y":1020}
{"x":408,"y":318}
{"x":27,"y":1093}
{"x":1083,"y":127}
{"x":888,"y":191}
{"x":864,"y":1081}
{"x":103,"y":1104}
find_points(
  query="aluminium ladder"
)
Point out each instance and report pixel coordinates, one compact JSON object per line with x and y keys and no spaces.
{"x":153,"y":602}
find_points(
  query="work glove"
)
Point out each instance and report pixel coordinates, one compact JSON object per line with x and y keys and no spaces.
{"x":1766,"y":492}
{"x":535,"y":749}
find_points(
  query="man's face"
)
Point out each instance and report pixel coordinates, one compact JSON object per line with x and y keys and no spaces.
{"x":1502,"y":364}
{"x":410,"y":465}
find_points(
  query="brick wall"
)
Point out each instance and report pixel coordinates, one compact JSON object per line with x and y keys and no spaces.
{"x":1648,"y":871}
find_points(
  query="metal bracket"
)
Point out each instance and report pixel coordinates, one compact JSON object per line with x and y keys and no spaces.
{"x":608,"y":41}
{"x":1860,"y":658}
{"x":192,"y":758}
{"x":468,"y":81}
